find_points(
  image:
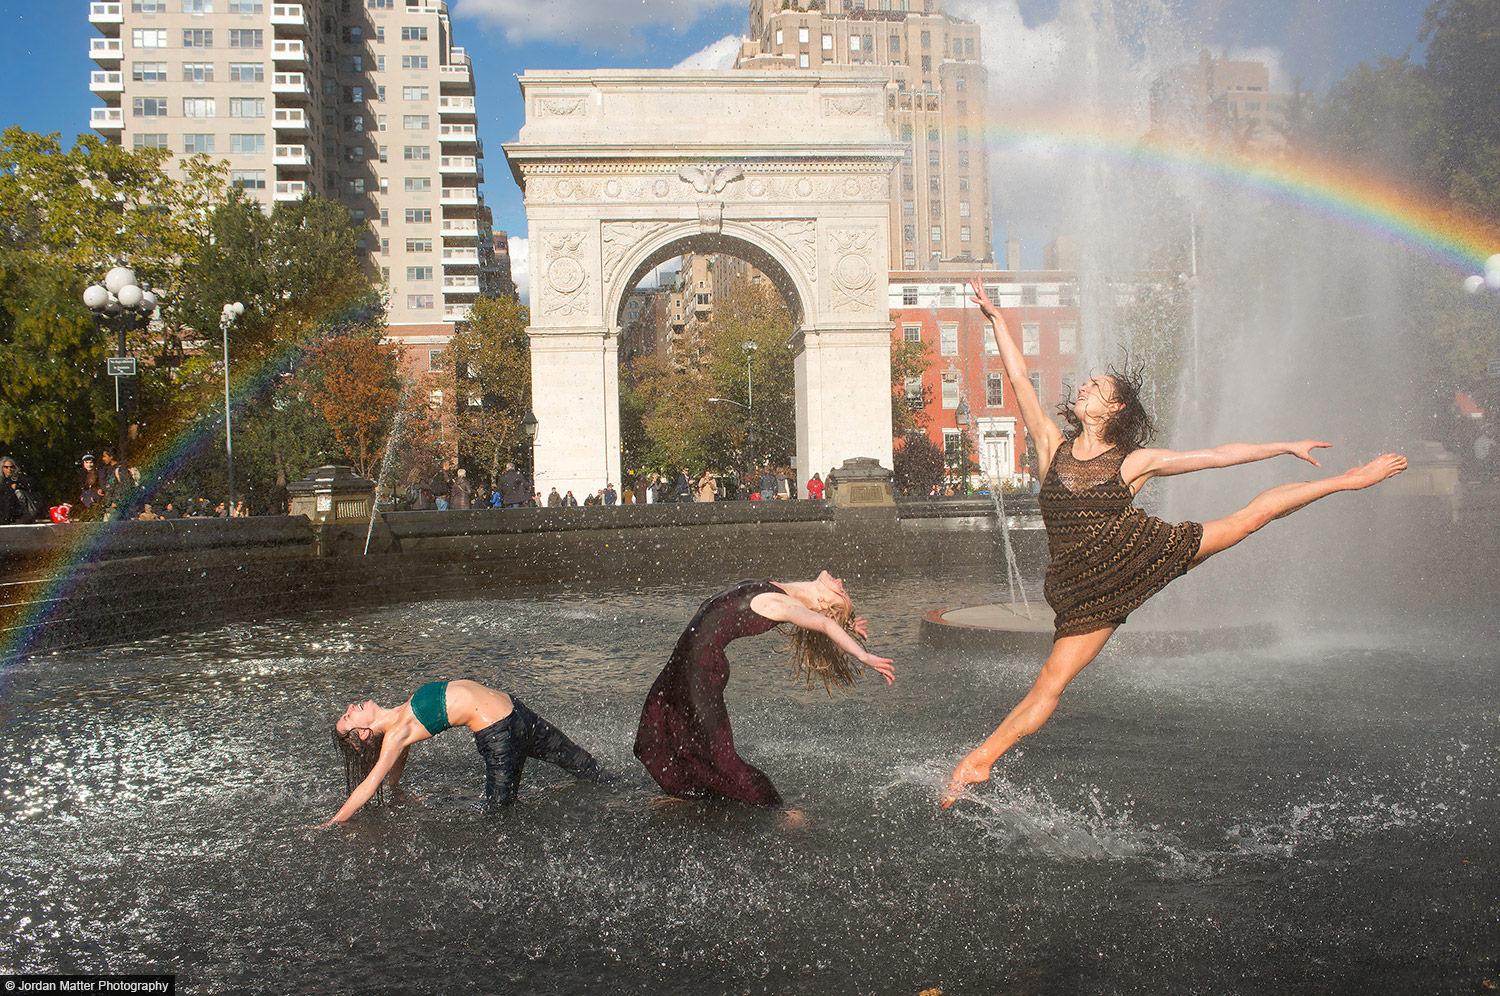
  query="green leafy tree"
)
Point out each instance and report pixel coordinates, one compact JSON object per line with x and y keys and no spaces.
{"x":487,"y":373}
{"x":908,"y":360}
{"x":758,"y":314}
{"x":1463,"y":64}
{"x":919,"y":463}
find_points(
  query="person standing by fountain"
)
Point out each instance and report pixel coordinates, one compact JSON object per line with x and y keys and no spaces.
{"x":684,"y":738}
{"x":374,"y":742}
{"x":1107,"y":557}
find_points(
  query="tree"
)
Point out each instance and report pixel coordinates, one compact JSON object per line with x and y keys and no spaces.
{"x":1463,"y":65}
{"x":487,"y":373}
{"x":354,"y":384}
{"x":919,"y":464}
{"x":908,"y":361}
{"x":758,"y":314}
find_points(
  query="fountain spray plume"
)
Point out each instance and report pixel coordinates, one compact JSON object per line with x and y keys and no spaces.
{"x":392,"y":440}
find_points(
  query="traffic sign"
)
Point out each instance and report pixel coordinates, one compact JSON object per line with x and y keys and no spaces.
{"x":119,"y":366}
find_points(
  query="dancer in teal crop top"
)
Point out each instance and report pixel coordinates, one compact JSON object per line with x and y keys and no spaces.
{"x":374,"y":741}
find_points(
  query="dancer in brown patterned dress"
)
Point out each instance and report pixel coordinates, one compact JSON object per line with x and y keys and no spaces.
{"x":1107,"y":556}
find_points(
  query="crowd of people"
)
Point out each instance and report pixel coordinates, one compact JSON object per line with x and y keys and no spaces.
{"x":107,"y":491}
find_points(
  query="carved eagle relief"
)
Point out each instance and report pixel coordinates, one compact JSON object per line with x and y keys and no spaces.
{"x":710,"y":179}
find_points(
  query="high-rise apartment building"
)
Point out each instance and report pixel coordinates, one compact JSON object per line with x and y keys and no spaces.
{"x":1228,"y":98}
{"x":941,"y":200}
{"x":364,"y":101}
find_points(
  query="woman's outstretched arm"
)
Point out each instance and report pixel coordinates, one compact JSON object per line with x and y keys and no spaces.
{"x":1143,"y":464}
{"x":1039,"y":426}
{"x":783,"y":608}
{"x":390,"y":750}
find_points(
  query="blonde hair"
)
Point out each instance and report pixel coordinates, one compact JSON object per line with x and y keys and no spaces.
{"x":815,"y":656}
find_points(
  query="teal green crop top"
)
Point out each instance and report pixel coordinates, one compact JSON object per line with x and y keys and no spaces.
{"x":430,"y":705}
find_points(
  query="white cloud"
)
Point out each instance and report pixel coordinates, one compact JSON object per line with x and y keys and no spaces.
{"x":520,"y":267}
{"x":612,"y":23}
{"x":720,"y":55}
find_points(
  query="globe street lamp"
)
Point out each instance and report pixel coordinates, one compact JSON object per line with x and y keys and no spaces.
{"x":1489,"y":280}
{"x":529,"y":426}
{"x":227,"y":315}
{"x":120,"y":303}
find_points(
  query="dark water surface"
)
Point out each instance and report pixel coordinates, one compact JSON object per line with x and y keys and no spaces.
{"x":1315,"y":816}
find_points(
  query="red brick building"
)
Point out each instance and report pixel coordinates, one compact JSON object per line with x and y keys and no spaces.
{"x":1040,"y":308}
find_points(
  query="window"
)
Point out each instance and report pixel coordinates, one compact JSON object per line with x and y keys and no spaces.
{"x":356,"y":63}
{"x":246,"y":145}
{"x":854,"y":43}
{"x":994,"y":390}
{"x":828,"y":43}
{"x":909,"y":296}
{"x":1067,"y":296}
{"x":963,"y":209}
{"x":934,"y":158}
{"x":1028,"y":296}
{"x":380,"y":121}
{"x":963,"y":183}
{"x":963,"y":160}
{"x":419,"y":273}
{"x":418,"y":184}
{"x":417,"y":153}
{"x":197,"y":38}
{"x":355,"y":123}
{"x":780,"y":37}
{"x":248,"y":179}
{"x":380,"y":35}
{"x":419,"y":216}
{"x":247,"y":107}
{"x":355,"y":185}
{"x":895,"y":45}
{"x":194,"y":143}
{"x":148,"y":38}
{"x":937,"y":234}
{"x":419,"y":245}
{"x":909,"y":208}
{"x":926,"y":63}
{"x":380,"y":4}
{"x":1031,"y":338}
{"x":148,"y":6}
{"x":963,"y":233}
{"x":413,"y":34}
{"x":909,"y":259}
{"x":247,"y":72}
{"x":948,"y":339}
{"x":385,"y":216}
{"x":143,"y":140}
{"x":148,"y":107}
{"x":1067,"y":339}
{"x":414,"y":122}
{"x":246,"y":38}
{"x":950,"y":400}
{"x":380,"y":153}
{"x":414,"y":93}
{"x":354,"y":35}
{"x":421,"y":302}
{"x":197,"y":6}
{"x":911,"y":333}
{"x":197,"y":72}
{"x":908,"y":233}
{"x":913,"y":387}
{"x":992,"y":291}
{"x":247,"y":7}
{"x":385,"y":184}
{"x":1036,"y":385}
{"x":927,"y":39}
{"x":148,"y":72}
{"x":355,"y":95}
{"x":802,"y":60}
{"x":385,"y":247}
{"x":802,"y":34}
{"x":960,"y":83}
{"x":414,"y":62}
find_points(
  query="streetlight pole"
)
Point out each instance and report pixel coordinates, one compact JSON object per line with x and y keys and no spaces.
{"x":119,"y":301}
{"x":226,"y":318}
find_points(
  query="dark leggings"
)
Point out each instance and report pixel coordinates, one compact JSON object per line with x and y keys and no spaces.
{"x":506,"y":745}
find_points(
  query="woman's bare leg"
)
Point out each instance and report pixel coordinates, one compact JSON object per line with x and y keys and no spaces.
{"x":1221,"y":534}
{"x":1070,"y":655}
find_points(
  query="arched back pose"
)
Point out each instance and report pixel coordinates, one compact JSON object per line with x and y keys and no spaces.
{"x":374,"y":741}
{"x":684,"y":739}
{"x":1107,"y":557}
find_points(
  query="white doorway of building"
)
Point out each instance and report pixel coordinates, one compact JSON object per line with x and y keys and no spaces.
{"x":997,"y":453}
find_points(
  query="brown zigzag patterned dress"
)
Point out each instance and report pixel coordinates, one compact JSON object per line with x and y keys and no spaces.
{"x":1107,"y":556}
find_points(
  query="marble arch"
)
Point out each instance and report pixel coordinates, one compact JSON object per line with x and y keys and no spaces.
{"x":621,"y":169}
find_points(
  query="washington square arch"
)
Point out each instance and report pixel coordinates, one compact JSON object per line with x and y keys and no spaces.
{"x":625,"y":169}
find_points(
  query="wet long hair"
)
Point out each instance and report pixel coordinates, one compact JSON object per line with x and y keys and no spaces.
{"x":1131,"y":427}
{"x":360,"y":758}
{"x":816,"y":657}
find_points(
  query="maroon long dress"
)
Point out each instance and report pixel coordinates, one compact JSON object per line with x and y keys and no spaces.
{"x":684,"y":739}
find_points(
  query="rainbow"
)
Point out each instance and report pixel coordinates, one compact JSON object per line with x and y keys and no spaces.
{"x":159,"y":466}
{"x":1409,"y":218}
{"x":1370,"y":204}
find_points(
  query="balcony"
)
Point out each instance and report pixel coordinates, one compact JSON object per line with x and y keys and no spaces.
{"x":103,"y":50}
{"x":460,"y":195}
{"x":293,"y":84}
{"x":106,"y":118}
{"x":289,"y":50}
{"x":289,"y":119}
{"x":289,"y":15}
{"x":107,"y":82}
{"x":460,"y":228}
{"x":462,"y":256}
{"x":454,"y":133}
{"x":468,"y":165}
{"x":291,"y":190}
{"x":106,"y":13}
{"x":456,"y":106}
{"x":461,"y":283}
{"x":291,"y":155}
{"x":456,"y":74}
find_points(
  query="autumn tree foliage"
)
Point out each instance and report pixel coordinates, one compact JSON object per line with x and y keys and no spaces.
{"x":355,"y":386}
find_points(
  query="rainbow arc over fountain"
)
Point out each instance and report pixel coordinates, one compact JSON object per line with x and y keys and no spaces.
{"x":1417,"y":221}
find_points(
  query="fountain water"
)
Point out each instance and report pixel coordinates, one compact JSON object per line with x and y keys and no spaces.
{"x":387,"y":461}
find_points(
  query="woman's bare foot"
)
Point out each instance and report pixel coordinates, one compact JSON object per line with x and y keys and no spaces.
{"x":1375,"y":471}
{"x":970,"y":771}
{"x":793,"y":819}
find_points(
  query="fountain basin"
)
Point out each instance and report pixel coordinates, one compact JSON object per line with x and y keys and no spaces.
{"x":1012,"y":628}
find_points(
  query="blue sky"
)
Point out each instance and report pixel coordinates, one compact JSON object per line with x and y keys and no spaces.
{"x":44,"y":65}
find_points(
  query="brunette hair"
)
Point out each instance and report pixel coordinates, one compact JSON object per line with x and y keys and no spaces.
{"x":817,"y":658}
{"x":360,"y":757}
{"x":1131,"y":427}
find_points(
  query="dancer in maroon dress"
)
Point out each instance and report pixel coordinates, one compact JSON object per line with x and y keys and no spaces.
{"x":684,"y":738}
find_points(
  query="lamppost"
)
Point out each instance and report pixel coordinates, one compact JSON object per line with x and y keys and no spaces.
{"x":961,"y":419}
{"x":120,"y":302}
{"x":529,"y":426}
{"x":226,"y":318}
